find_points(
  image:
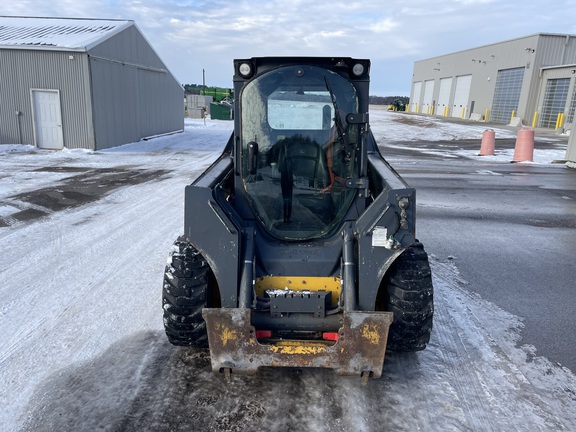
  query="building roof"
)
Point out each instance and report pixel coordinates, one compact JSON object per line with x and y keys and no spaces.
{"x":537,"y":35}
{"x":57,"y":33}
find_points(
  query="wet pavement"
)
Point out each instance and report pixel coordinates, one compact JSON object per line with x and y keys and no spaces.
{"x":510,"y":228}
{"x":80,"y":186}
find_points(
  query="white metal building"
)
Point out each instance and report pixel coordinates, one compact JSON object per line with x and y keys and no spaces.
{"x":527,"y":81}
{"x":196,"y":106}
{"x":82,"y":83}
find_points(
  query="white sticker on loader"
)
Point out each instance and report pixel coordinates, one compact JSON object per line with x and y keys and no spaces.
{"x":380,"y":237}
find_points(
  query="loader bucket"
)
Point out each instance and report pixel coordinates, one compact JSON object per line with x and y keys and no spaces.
{"x":359,"y":350}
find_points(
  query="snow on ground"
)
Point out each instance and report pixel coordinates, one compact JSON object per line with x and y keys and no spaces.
{"x":410,"y":127}
{"x":82,"y":338}
{"x":394,"y":129}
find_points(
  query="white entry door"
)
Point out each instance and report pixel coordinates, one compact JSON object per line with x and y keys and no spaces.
{"x":47,"y":119}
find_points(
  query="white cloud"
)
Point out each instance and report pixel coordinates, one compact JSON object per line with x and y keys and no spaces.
{"x":383,"y":26}
{"x":193,"y":34}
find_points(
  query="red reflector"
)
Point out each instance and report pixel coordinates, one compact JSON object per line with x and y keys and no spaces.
{"x":331,"y":336}
{"x":261,"y":334}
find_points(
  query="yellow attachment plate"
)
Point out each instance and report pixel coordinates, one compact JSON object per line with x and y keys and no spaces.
{"x":359,"y":350}
{"x":299,"y":283}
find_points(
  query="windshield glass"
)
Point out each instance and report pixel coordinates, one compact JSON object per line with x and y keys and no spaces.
{"x":298,"y":150}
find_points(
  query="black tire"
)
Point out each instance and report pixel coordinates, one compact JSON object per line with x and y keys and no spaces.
{"x":411,"y":297}
{"x":184,"y":294}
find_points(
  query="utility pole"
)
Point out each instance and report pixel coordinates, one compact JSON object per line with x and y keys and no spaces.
{"x":204,"y":89}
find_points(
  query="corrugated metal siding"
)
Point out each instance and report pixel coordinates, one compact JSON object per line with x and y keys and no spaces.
{"x":161,"y":103}
{"x":23,"y":70}
{"x":556,"y":50}
{"x":134,"y":94}
{"x":114,"y":93}
{"x":570,"y":51}
{"x":129,"y":46}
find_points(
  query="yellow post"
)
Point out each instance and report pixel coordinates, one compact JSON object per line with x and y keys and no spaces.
{"x":512,"y":116}
{"x":486,"y":115}
{"x":463,"y":111}
{"x":417,"y":108}
{"x":432,"y":110}
{"x":534,"y":119}
{"x":561,"y":120}
{"x":557,"y":121}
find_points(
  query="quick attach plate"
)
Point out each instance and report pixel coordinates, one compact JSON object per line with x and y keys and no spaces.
{"x":285,"y":302}
{"x":360,"y":348}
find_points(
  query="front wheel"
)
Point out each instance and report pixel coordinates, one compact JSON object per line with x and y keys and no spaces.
{"x":410,"y":297}
{"x":184,"y":294}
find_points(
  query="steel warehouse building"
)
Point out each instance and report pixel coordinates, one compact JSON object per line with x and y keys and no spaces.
{"x":532,"y":78}
{"x":82,"y":83}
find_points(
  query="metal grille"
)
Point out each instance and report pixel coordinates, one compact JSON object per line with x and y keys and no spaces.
{"x":554,"y":101}
{"x":506,"y":94}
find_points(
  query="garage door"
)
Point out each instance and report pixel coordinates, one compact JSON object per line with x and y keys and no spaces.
{"x":443,"y":106}
{"x":427,"y":103}
{"x":506,"y":94}
{"x":415,"y":99}
{"x":461,"y":95}
{"x":554,"y":101}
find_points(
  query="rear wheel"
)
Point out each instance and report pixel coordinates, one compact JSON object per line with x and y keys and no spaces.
{"x":410,"y":296}
{"x":184,"y":294}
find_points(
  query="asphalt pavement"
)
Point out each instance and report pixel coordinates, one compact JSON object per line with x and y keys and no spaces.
{"x":510,"y":228}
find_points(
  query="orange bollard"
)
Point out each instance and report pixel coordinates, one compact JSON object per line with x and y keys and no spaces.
{"x":524,"y":149}
{"x":488,"y":139}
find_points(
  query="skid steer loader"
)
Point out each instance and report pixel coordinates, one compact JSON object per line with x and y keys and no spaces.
{"x":299,"y":245}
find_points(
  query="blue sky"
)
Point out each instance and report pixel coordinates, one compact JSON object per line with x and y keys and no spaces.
{"x":191,"y":35}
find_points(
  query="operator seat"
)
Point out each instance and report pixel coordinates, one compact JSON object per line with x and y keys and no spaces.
{"x":304,"y":175}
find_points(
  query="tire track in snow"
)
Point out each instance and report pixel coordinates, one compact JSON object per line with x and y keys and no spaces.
{"x":486,"y":368}
{"x":40,"y":315}
{"x":100,"y":239}
{"x":468,"y":387}
{"x":20,"y":301}
{"x":51,"y":332}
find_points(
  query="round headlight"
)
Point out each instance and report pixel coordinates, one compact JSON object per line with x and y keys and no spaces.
{"x":358,"y":69}
{"x":245,"y":70}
